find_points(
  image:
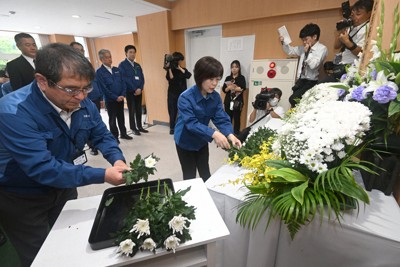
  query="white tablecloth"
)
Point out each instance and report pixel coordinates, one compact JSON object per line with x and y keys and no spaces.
{"x":370,"y":239}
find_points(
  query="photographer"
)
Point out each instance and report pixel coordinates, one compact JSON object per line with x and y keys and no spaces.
{"x":312,"y":53}
{"x":350,"y":35}
{"x":176,"y":76}
{"x":267,"y":102}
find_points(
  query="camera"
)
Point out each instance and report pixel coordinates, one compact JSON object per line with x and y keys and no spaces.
{"x":346,"y":12}
{"x":262,"y":99}
{"x":173,"y":60}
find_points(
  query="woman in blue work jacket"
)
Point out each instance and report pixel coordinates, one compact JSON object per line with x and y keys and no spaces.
{"x":197,"y":106}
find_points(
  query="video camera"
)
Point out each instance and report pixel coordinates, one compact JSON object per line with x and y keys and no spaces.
{"x":262,"y":99}
{"x":346,"y":12}
{"x":173,"y":60}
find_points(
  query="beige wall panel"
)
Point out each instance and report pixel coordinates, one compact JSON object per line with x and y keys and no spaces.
{"x":153,"y":30}
{"x":59,"y":38}
{"x":267,"y":43}
{"x":116,"y":46}
{"x":195,"y":13}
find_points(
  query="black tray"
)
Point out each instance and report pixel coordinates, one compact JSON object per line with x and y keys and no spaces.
{"x":109,"y":219}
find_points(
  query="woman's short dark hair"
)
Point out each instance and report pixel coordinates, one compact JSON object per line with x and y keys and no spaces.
{"x":207,"y":68}
{"x":310,"y":29}
{"x":236,"y":62}
{"x":56,"y":59}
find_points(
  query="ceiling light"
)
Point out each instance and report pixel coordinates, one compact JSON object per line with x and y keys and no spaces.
{"x":76,"y":16}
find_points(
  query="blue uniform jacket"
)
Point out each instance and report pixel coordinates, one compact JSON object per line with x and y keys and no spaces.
{"x":97,"y":93}
{"x":110,"y":84}
{"x":194,"y":114}
{"x":36,"y":145}
{"x":132,"y":76}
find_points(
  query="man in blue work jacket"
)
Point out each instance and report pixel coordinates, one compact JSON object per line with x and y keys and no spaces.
{"x":44,"y":127}
{"x":111,"y":84}
{"x":133,"y":77}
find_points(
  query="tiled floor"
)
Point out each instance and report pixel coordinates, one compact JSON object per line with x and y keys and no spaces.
{"x":157,"y":141}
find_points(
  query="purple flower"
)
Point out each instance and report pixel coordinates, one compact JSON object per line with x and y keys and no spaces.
{"x":344,"y":76}
{"x":373,"y":74}
{"x":357,"y":93}
{"x":384,"y":94}
{"x":341,"y":92}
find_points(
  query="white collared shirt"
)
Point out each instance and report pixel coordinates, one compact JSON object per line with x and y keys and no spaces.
{"x":358,"y":35}
{"x":65,"y":115}
{"x":313,"y":62}
{"x":30,"y":60}
{"x":108,"y":68}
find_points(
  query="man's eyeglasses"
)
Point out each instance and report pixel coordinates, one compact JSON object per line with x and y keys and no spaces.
{"x":73,"y":92}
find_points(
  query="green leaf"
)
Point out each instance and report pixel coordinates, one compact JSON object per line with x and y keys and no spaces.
{"x":289,"y":175}
{"x":109,"y":201}
{"x":394,"y":107}
{"x":298,"y":192}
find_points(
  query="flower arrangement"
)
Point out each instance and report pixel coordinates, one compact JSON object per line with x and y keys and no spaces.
{"x":377,"y":87}
{"x":141,"y":168}
{"x":308,"y":165}
{"x":156,"y":221}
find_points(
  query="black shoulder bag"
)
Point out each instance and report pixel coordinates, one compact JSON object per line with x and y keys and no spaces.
{"x":242,"y":135}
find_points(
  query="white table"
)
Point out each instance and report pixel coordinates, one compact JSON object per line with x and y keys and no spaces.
{"x":67,"y":244}
{"x":370,"y":239}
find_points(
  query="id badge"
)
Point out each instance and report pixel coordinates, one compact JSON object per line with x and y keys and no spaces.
{"x":137,"y":78}
{"x":231,"y":105}
{"x":337,"y":59}
{"x":80,"y":158}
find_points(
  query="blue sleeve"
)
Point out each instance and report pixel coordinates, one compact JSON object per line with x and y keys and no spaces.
{"x":221,"y":120}
{"x":28,"y":147}
{"x":141,"y":77}
{"x":186,"y":107}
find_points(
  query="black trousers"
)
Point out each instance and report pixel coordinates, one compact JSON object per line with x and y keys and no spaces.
{"x":235,"y":119}
{"x":172,"y":109}
{"x":28,"y":218}
{"x":301,"y":86}
{"x":135,"y":110}
{"x":115,"y":112}
{"x":194,"y":160}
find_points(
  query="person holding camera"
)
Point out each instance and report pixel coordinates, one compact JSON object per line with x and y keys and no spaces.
{"x":312,"y":53}
{"x":233,"y":87}
{"x":176,"y":77}
{"x":267,"y":105}
{"x":350,"y":35}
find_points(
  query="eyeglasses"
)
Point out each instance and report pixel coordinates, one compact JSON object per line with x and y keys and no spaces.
{"x":73,"y":92}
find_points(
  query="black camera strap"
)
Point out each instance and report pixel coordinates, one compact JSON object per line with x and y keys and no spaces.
{"x":351,"y":36}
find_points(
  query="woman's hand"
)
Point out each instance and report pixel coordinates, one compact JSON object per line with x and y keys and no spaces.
{"x":220,"y":140}
{"x":236,"y":142}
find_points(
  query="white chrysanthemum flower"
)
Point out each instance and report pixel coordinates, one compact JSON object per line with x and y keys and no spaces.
{"x":148,"y":244}
{"x":126,"y":247}
{"x":171,"y":243}
{"x":142,"y":227}
{"x":312,"y":133}
{"x":150,"y":162}
{"x":177,"y":224}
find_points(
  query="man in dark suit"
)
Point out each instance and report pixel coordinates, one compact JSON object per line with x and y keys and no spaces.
{"x":133,"y":77}
{"x":22,"y":69}
{"x":111,"y":84}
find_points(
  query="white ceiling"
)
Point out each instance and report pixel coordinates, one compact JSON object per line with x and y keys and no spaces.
{"x":97,"y":17}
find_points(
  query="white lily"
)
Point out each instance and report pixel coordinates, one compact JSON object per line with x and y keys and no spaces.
{"x":381,"y":80}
